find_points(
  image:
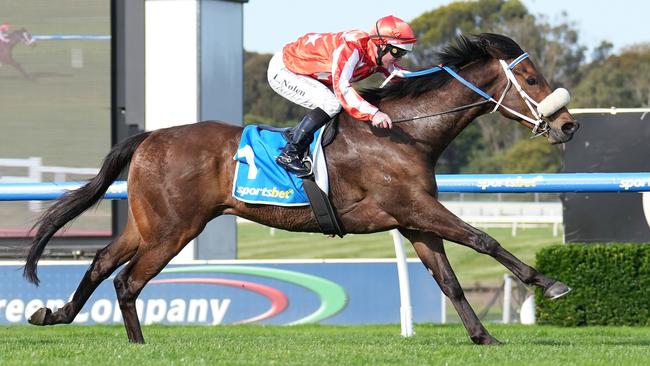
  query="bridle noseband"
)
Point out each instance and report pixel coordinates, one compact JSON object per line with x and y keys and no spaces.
{"x":27,"y":38}
{"x":541,"y":126}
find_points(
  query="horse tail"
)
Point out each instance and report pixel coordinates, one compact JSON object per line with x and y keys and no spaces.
{"x":75,"y":202}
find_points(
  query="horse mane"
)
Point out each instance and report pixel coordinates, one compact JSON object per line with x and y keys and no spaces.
{"x":17,"y":32}
{"x":464,"y":50}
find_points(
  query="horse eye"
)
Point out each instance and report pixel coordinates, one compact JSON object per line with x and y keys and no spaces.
{"x":531,"y":80}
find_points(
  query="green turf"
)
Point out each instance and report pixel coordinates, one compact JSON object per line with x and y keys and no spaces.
{"x":322,"y":345}
{"x":255,"y":242}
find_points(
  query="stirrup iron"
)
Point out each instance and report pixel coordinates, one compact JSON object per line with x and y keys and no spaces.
{"x":307,"y":159}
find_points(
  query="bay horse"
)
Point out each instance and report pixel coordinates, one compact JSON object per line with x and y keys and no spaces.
{"x":6,"y":48}
{"x":181,"y":177}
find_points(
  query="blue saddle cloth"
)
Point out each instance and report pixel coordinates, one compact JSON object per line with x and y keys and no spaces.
{"x":258,"y":178}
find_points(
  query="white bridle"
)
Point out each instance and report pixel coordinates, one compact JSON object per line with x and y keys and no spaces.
{"x":553,"y":102}
{"x":549,"y":105}
{"x":27,"y":40}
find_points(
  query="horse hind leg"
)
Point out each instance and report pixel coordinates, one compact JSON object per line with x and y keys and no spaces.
{"x":145,"y":265}
{"x":105,"y":262}
{"x":432,"y":253}
{"x":20,"y":69}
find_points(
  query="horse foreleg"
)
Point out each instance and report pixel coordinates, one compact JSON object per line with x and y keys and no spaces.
{"x":20,"y":69}
{"x":105,"y":262}
{"x":429,"y":215}
{"x":432,"y":254}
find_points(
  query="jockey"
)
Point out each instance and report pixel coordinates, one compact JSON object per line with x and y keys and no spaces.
{"x":4,"y":32}
{"x":316,"y":72}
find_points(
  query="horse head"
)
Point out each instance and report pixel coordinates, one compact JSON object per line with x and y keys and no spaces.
{"x":523,"y":94}
{"x":492,"y":73}
{"x":26,"y":37}
{"x":21,"y":35}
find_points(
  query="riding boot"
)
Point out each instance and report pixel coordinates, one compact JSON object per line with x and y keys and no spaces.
{"x":302,"y":135}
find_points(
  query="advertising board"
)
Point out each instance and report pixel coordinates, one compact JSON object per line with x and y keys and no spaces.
{"x":236,"y":292}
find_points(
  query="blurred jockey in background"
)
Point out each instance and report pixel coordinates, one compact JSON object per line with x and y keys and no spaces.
{"x":4,"y":32}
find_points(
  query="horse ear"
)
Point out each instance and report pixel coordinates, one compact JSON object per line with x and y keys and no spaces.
{"x":490,"y":47}
{"x":499,"y":46}
{"x":482,"y":41}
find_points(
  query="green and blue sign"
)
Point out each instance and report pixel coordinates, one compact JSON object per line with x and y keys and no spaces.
{"x":266,"y":293}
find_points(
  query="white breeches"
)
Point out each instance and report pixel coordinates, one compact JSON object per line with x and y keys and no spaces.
{"x":300,"y":89}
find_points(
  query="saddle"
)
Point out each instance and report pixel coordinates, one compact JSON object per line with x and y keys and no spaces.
{"x":325,"y":214}
{"x":330,"y":132}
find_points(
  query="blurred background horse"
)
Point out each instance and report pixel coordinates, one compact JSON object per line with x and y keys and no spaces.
{"x":6,"y":48}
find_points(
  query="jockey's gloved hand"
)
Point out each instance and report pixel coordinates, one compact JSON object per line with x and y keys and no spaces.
{"x":381,"y":120}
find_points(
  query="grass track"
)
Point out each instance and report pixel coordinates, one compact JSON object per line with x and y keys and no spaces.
{"x":322,"y":345}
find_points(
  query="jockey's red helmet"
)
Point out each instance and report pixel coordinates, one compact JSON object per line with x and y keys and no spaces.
{"x":4,"y":27}
{"x":394,"y":31}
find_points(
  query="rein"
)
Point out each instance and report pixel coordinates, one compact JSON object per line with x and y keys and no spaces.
{"x":453,"y":110}
{"x":540,"y":128}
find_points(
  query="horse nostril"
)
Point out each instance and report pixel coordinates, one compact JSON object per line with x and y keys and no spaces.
{"x":570,"y":127}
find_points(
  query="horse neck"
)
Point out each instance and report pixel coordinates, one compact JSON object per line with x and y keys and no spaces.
{"x":14,"y":39}
{"x":437,"y":132}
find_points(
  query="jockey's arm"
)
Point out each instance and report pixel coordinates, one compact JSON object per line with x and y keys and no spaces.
{"x":344,"y":62}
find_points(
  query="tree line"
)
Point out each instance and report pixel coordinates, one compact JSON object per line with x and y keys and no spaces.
{"x":493,"y":144}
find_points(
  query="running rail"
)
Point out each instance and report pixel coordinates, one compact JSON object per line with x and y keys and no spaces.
{"x":462,"y":183}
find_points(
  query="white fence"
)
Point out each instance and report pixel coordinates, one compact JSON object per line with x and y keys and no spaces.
{"x":508,"y":214}
{"x":36,"y":172}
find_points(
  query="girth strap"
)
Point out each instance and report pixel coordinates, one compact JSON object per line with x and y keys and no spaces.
{"x":325,"y":214}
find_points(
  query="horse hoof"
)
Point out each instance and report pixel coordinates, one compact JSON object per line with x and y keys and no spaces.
{"x":38,"y":318}
{"x":557,"y":290}
{"x":486,"y":341}
{"x":492,"y":342}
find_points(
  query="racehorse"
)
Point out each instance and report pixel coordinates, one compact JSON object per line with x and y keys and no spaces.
{"x":15,"y":37}
{"x":181,"y":177}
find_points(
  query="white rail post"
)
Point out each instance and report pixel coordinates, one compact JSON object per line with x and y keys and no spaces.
{"x":507,"y":297}
{"x":35,"y":175}
{"x":443,"y":308}
{"x":406,"y":311}
{"x":527,"y":312}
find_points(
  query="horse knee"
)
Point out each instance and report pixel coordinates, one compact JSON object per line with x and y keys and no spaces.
{"x":452,"y":290}
{"x":484,"y":243}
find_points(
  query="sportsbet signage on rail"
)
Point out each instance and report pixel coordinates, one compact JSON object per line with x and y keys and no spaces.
{"x":211,"y":293}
